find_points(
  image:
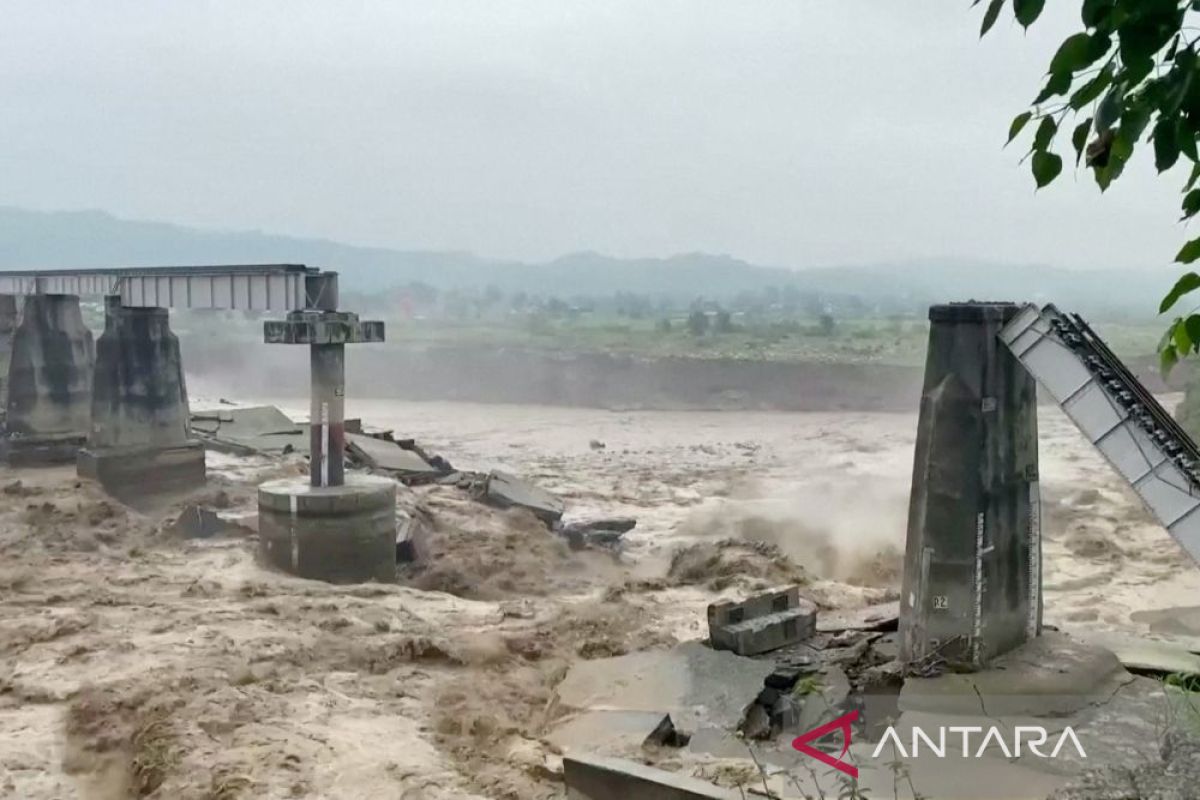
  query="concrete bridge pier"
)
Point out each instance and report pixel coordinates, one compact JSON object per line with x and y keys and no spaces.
{"x":139,"y":442}
{"x":49,"y":382}
{"x":972,"y":564}
{"x":9,"y":318}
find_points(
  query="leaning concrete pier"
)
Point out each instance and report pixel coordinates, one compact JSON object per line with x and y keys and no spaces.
{"x":972,"y":572}
{"x":138,"y":442}
{"x":49,"y":382}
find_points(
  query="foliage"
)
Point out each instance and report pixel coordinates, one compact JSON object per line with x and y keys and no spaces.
{"x":1130,"y":77}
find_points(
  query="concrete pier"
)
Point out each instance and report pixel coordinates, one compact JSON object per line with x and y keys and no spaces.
{"x":8,"y":326}
{"x":972,"y":572}
{"x":138,"y":442}
{"x":49,"y":382}
{"x":333,"y":527}
{"x":340,"y":534}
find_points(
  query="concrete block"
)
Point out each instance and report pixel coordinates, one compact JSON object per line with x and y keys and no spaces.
{"x":506,"y":491}
{"x":390,"y":456}
{"x":762,"y":623}
{"x":591,"y":777}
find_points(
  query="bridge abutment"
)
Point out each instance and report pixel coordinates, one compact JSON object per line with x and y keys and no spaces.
{"x":139,"y":441}
{"x":49,"y":382}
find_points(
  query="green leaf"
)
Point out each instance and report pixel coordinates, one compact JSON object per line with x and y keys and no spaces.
{"x":1168,"y":358}
{"x":1191,"y":181}
{"x":1045,"y":134}
{"x":1186,"y":135}
{"x":1187,"y":254}
{"x":990,"y":16}
{"x":1073,"y":54}
{"x":1108,"y":173}
{"x":1192,"y":324}
{"x":1079,"y":138}
{"x":1109,"y":110}
{"x":1096,"y":12}
{"x":1091,"y":90}
{"x":1059,"y":83}
{"x":1166,"y":145}
{"x":1028,"y":11}
{"x":1046,"y":167}
{"x":1189,"y":282}
{"x":1183,"y":342}
{"x":1191,"y":205}
{"x":1018,"y":124}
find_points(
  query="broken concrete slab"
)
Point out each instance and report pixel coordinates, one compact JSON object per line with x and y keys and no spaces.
{"x":506,"y":491}
{"x":606,"y":730}
{"x":248,"y":431}
{"x":388,"y":456}
{"x":590,"y":777}
{"x":880,"y":617}
{"x":699,"y":687}
{"x":762,"y":623}
{"x":596,"y":532}
{"x":1148,"y":655}
{"x":825,"y":699}
{"x":410,"y":538}
{"x":1176,"y":621}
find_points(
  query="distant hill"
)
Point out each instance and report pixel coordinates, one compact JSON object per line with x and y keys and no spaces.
{"x":68,"y":239}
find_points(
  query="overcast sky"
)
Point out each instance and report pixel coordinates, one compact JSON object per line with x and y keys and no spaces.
{"x":799,"y":133}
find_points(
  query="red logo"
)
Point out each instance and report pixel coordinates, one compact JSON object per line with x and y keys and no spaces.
{"x":842,"y":724}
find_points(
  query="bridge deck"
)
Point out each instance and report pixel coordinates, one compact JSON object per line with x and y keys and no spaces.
{"x":250,"y":287}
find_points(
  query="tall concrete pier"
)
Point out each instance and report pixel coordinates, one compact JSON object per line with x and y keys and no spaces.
{"x":328,"y":527}
{"x":138,"y":441}
{"x":972,"y":572}
{"x":8,"y":326}
{"x":49,"y":382}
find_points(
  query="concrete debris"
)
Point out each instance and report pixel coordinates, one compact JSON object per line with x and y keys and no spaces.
{"x":762,"y":623}
{"x":608,"y":731}
{"x":825,"y":697}
{"x":197,"y":522}
{"x":772,"y":712}
{"x":596,"y":532}
{"x":248,"y":431}
{"x":506,"y":491}
{"x":410,"y":539}
{"x":1177,"y":621}
{"x":388,"y":456}
{"x":699,"y":687}
{"x":591,"y":777}
{"x":881,"y":617}
{"x":665,"y":734}
{"x":1147,"y":656}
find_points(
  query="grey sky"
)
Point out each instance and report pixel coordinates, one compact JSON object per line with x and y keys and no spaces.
{"x":800,"y":132}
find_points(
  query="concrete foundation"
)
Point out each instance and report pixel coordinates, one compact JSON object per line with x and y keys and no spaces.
{"x":49,"y":382}
{"x":138,"y":442}
{"x":8,"y":326}
{"x":340,"y":534}
{"x":972,"y":572}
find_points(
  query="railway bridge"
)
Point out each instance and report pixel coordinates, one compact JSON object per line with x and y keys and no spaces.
{"x":117,"y":405}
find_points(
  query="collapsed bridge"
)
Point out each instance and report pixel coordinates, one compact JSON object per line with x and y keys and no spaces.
{"x":118,"y":406}
{"x":972,"y":586}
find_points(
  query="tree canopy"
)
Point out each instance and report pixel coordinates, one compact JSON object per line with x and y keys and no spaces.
{"x":1130,"y":77}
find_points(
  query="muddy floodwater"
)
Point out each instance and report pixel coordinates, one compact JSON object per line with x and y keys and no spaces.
{"x":136,"y":664}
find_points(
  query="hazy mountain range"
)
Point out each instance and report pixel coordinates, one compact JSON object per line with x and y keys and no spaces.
{"x":70,"y":239}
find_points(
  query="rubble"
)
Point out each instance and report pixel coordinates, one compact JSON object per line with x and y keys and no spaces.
{"x":880,"y":617}
{"x":388,"y":456}
{"x":762,"y":623}
{"x":505,"y":491}
{"x":410,"y":538}
{"x":596,"y":532}
{"x":249,"y":431}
